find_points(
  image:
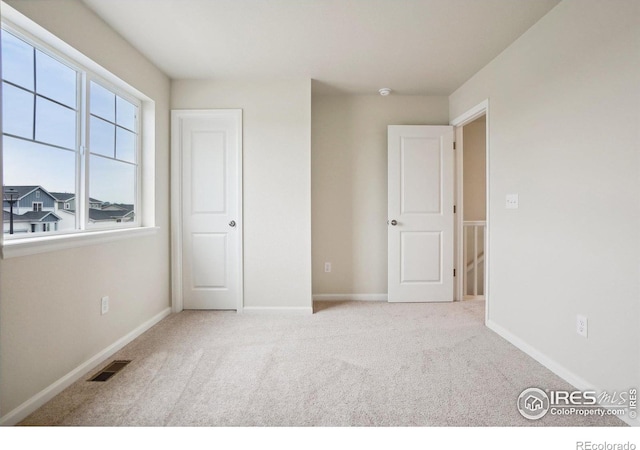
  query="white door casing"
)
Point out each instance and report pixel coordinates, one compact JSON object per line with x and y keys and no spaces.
{"x":420,"y":213}
{"x":209,"y":148}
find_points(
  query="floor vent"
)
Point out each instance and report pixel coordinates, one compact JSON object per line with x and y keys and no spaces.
{"x":110,"y":370}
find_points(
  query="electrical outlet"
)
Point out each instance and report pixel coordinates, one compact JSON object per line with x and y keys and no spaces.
{"x":582,"y":325}
{"x":327,"y":267}
{"x":511,"y":201}
{"x":104,"y":305}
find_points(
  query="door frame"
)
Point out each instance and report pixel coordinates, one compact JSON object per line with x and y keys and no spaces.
{"x":458,"y":123}
{"x":177,"y":299}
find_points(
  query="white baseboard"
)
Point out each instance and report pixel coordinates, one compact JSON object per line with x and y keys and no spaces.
{"x":278,"y":309}
{"x":555,"y":367}
{"x":351,"y":297}
{"x":21,"y":412}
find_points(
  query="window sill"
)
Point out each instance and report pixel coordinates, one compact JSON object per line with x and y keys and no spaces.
{"x":32,"y":246}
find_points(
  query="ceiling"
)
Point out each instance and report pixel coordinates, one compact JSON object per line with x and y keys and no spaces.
{"x":426,"y":47}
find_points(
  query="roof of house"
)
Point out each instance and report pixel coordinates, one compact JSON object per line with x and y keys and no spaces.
{"x":21,"y":190}
{"x":30,"y":216}
{"x":57,"y":196}
{"x":66,"y":196}
{"x":98,"y":214}
{"x":63,"y":196}
{"x":117,"y":206}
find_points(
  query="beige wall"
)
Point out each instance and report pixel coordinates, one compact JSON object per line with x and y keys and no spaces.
{"x":474,"y":170}
{"x":50,"y":320}
{"x":276,"y":178}
{"x":349,"y":185}
{"x":564,"y":118}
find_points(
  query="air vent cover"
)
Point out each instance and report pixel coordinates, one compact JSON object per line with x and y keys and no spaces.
{"x":109,"y":371}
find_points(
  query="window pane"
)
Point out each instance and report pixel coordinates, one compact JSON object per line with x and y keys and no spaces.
{"x":103,"y":102}
{"x":55,"y":80}
{"x":125,"y":145}
{"x":17,"y":111}
{"x":126,"y":114}
{"x":17,"y":61}
{"x":112,"y":181}
{"x":102,"y":140}
{"x":29,"y":164}
{"x":55,"y":124}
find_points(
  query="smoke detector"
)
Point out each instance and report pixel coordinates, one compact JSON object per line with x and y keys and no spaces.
{"x":384,"y":91}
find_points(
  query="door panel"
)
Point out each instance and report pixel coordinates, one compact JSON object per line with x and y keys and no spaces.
{"x":207,"y":182}
{"x":210,"y":148}
{"x":420,"y":206}
{"x":420,"y":175}
{"x":420,"y":257}
{"x":209,"y":254}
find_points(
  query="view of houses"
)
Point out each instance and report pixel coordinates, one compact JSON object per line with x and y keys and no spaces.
{"x":37,"y":210}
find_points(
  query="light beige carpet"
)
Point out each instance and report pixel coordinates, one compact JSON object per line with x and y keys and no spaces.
{"x":350,"y":363}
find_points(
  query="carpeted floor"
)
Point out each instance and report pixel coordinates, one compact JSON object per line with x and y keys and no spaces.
{"x":350,"y":363}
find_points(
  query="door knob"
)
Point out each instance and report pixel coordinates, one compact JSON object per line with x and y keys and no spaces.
{"x":232,"y":223}
{"x":394,"y":222}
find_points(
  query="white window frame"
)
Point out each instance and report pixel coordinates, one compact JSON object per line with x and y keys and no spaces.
{"x":33,"y":206}
{"x":85,"y":233}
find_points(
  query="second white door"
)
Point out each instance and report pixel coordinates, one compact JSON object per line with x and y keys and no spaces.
{"x":420,"y":203}
{"x":210,"y":144}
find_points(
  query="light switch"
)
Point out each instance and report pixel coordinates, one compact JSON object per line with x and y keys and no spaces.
{"x":512,"y":201}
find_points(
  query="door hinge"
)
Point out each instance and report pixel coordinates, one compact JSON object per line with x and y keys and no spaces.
{"x":454,"y":145}
{"x":454,"y":209}
{"x":454,"y":272}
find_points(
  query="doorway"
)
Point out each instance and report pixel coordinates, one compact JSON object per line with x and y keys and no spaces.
{"x":472,"y":218}
{"x":474,"y":208}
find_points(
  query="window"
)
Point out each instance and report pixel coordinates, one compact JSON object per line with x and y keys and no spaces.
{"x":113,"y":142}
{"x":66,"y":130}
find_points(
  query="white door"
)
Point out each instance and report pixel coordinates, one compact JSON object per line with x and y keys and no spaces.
{"x":420,"y":213}
{"x":210,"y":145}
